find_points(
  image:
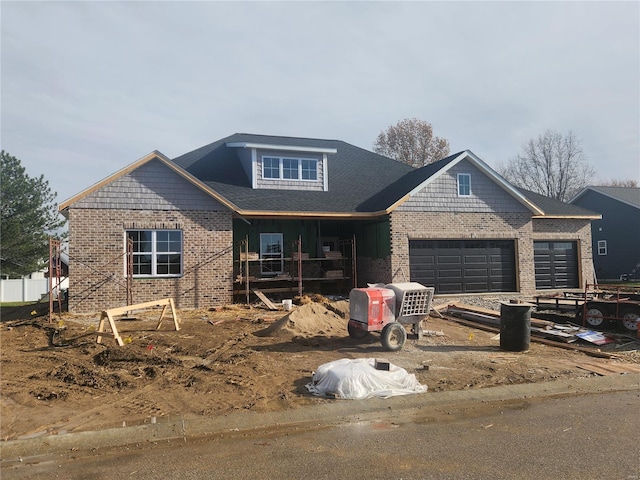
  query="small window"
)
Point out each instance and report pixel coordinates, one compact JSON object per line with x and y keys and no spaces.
{"x":271,"y":167}
{"x":156,"y":253}
{"x":602,"y":247}
{"x":290,"y":168}
{"x":309,"y":169}
{"x":464,"y":184}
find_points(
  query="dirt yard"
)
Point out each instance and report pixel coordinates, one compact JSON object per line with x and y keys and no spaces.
{"x":56,"y":378}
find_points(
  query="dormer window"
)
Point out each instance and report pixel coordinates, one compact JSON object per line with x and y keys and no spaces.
{"x":270,"y":167}
{"x":309,"y":169}
{"x":464,"y":184}
{"x":288,"y":168}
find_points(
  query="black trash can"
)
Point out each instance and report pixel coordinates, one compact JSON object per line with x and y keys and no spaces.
{"x":515,"y":326}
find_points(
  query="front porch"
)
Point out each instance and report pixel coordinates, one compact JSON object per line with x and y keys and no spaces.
{"x":291,"y":257}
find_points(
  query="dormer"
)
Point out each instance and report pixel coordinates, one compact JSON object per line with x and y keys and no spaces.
{"x":284,"y":167}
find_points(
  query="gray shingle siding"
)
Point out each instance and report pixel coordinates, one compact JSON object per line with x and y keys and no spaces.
{"x":152,"y":186}
{"x":441,"y":195}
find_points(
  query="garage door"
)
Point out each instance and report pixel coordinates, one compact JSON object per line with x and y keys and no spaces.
{"x":463,"y":266}
{"x":556,"y":264}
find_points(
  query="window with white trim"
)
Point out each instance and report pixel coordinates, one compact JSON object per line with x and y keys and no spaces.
{"x":271,"y":167}
{"x":271,"y":253}
{"x":156,"y":253}
{"x":289,"y":168}
{"x":602,"y":247}
{"x":464,"y":184}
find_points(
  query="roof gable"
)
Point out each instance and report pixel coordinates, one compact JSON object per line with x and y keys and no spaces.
{"x":424,"y":176}
{"x":155,"y":155}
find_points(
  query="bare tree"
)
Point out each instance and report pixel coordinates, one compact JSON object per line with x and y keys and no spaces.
{"x":615,"y":182}
{"x":552,"y":165}
{"x":411,"y":141}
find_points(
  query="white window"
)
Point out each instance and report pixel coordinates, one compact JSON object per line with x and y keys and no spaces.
{"x":287,"y":168}
{"x":271,"y":167}
{"x":309,"y":169}
{"x":156,"y":253}
{"x":271,"y":253}
{"x":290,"y":168}
{"x":602,"y":247}
{"x":464,"y":184}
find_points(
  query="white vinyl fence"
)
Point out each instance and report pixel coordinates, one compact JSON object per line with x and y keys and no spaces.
{"x":26,"y":289}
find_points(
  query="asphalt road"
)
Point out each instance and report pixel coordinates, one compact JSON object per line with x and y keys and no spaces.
{"x":593,"y":436}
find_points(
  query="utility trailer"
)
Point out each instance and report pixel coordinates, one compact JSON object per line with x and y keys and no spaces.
{"x":388,"y":309}
{"x":617,"y":303}
{"x":597,"y":305}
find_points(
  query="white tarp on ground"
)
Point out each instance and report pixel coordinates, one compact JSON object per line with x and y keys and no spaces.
{"x":358,"y":379}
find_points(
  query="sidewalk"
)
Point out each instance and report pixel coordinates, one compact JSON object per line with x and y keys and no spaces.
{"x":325,"y":414}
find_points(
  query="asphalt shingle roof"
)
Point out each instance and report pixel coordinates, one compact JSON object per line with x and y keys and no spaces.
{"x":628,"y":195}
{"x":359,"y":181}
{"x":553,"y":207}
{"x":355,"y":177}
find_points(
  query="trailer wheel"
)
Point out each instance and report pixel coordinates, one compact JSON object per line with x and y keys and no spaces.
{"x":393,"y":336}
{"x":630,"y":317}
{"x":355,"y":332}
{"x":595,"y":316}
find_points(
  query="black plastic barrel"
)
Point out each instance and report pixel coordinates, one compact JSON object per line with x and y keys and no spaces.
{"x":515,"y":326}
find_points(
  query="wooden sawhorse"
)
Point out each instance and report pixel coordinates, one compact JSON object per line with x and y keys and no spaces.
{"x":109,"y":314}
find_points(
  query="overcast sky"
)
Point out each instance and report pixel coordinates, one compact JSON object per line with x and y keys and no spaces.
{"x":90,"y":87}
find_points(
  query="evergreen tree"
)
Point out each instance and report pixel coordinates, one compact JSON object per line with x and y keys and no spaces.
{"x":28,"y":216}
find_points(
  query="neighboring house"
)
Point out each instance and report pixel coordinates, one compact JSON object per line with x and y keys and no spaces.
{"x":242,"y":208}
{"x":616,"y":236}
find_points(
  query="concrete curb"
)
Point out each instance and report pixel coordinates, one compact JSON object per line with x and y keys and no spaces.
{"x":325,"y":414}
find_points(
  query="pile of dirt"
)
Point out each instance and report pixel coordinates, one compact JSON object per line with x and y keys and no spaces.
{"x":311,"y":320}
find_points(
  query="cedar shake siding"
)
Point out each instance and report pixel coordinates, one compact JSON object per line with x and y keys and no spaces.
{"x":442,"y":195}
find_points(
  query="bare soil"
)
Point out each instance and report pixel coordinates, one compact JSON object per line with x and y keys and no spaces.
{"x":56,"y":378}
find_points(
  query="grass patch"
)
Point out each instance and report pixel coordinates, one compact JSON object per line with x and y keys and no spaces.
{"x":16,"y":304}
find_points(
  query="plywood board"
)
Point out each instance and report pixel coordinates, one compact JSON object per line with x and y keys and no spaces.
{"x":265,"y":300}
{"x":608,"y":368}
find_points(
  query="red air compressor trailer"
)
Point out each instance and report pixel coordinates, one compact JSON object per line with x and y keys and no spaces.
{"x":387,"y":309}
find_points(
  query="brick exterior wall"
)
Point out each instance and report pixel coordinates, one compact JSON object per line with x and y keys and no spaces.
{"x":97,"y":279}
{"x":373,"y":270}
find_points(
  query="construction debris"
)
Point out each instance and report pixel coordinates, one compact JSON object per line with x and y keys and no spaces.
{"x":542,"y":331}
{"x":609,"y":368}
{"x":265,"y":300}
{"x":596,"y":338}
{"x":539,"y":327}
